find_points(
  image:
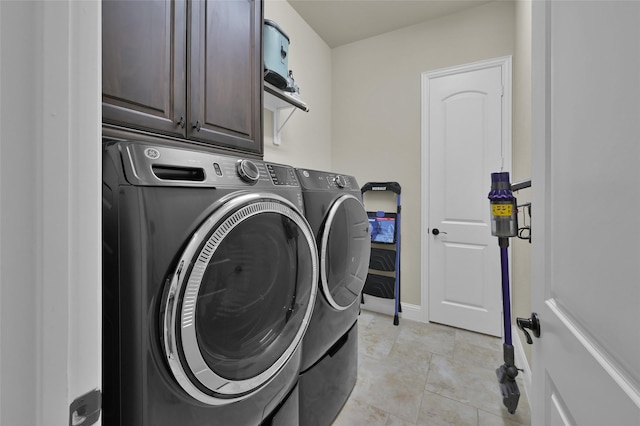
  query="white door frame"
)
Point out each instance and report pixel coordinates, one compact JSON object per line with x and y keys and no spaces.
{"x":50,"y":277}
{"x":504,"y":63}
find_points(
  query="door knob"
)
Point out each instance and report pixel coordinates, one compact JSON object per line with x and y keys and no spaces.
{"x":532,"y":324}
{"x":436,"y":231}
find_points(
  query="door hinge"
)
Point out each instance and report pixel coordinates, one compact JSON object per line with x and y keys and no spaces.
{"x":85,"y":410}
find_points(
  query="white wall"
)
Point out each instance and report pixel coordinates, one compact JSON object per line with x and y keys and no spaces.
{"x":306,"y":138}
{"x":376,"y":105}
{"x":50,"y":121}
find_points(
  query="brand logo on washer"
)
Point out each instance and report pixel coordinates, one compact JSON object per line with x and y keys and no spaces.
{"x":152,"y":153}
{"x":379,"y":188}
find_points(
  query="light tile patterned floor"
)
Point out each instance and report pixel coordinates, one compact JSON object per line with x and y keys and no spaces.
{"x":426,"y":374}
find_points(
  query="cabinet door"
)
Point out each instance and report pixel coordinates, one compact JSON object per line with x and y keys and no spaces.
{"x":226,"y":74}
{"x":144,"y":65}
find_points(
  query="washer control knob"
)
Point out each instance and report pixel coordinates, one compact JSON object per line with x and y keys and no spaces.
{"x":339,"y":181}
{"x":248,"y":171}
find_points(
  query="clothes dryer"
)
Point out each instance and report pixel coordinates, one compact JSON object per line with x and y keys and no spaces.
{"x":333,"y":207}
{"x":209,"y":282}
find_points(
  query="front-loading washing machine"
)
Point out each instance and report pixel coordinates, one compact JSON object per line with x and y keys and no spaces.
{"x":333,"y":208}
{"x":209,"y":282}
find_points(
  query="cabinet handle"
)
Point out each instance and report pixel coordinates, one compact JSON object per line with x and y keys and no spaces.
{"x":181,"y":122}
{"x":196,"y":126}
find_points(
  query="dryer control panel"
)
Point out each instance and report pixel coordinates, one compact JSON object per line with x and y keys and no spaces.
{"x":313,"y":179}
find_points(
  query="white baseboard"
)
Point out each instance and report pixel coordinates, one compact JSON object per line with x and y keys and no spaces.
{"x":387,"y":307}
{"x":521,"y":361}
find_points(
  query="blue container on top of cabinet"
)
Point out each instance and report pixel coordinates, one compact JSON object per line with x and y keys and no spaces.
{"x":276,"y":54}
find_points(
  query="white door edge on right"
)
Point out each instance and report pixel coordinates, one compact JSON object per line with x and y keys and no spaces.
{"x":586,"y":198}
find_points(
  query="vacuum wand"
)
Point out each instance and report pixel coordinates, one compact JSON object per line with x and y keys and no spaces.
{"x":504,"y":224}
{"x":504,"y":262}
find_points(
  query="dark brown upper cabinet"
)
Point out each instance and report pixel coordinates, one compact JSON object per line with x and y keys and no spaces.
{"x":185,"y":69}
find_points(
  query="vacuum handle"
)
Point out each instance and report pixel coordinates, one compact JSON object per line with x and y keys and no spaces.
{"x":532,"y":324}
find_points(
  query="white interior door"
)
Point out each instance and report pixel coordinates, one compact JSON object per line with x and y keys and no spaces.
{"x":586,"y":199}
{"x":468,"y":136}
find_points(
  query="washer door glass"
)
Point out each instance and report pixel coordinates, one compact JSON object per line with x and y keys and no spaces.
{"x":237,"y":313}
{"x":345,"y":251}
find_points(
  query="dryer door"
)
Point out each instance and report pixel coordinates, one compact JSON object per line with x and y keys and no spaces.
{"x":345,"y":247}
{"x":240,"y":299}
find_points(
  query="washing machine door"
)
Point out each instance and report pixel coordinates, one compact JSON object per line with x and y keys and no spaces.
{"x":240,"y":298}
{"x":345,"y":247}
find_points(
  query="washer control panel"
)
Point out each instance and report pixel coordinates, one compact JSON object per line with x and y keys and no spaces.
{"x":282,"y":175}
{"x":147,"y":164}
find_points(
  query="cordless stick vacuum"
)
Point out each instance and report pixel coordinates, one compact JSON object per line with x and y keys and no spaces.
{"x":504,"y":224}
